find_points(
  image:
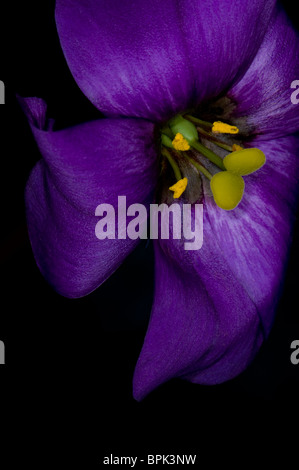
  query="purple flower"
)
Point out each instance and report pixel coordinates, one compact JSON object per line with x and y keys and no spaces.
{"x":141,"y":63}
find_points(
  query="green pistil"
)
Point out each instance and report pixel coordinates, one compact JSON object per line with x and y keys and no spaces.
{"x":166,"y":141}
{"x":173,"y":164}
{"x":209,"y":154}
{"x":179,"y":125}
{"x":167,"y":131}
{"x":182,"y":126}
{"x":183,"y":133}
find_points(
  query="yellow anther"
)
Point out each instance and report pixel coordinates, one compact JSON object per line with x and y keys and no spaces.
{"x":222,"y":128}
{"x":227,"y":189}
{"x":237,"y":147}
{"x":180,"y":143}
{"x":244,"y":162}
{"x":179,"y":187}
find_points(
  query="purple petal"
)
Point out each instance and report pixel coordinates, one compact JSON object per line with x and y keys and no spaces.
{"x":203,"y":326}
{"x":82,"y":167}
{"x":255,"y":237}
{"x":264,"y":93}
{"x":213,"y":307}
{"x":153,"y":59}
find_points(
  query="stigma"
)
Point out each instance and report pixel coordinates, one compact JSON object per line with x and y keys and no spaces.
{"x":227,"y":189}
{"x":244,"y":162}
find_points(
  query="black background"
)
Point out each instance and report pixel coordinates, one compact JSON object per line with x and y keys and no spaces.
{"x":66,"y":387}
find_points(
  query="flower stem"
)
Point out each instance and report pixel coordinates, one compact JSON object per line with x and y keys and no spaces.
{"x":172,"y":162}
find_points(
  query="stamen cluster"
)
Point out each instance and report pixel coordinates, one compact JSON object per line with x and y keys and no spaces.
{"x":181,"y":135}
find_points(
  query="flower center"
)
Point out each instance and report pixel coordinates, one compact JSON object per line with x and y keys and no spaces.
{"x":182,"y":146}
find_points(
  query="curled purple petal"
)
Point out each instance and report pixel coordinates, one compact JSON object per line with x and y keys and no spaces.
{"x":203,"y":327}
{"x":153,"y":59}
{"x":83,"y":167}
